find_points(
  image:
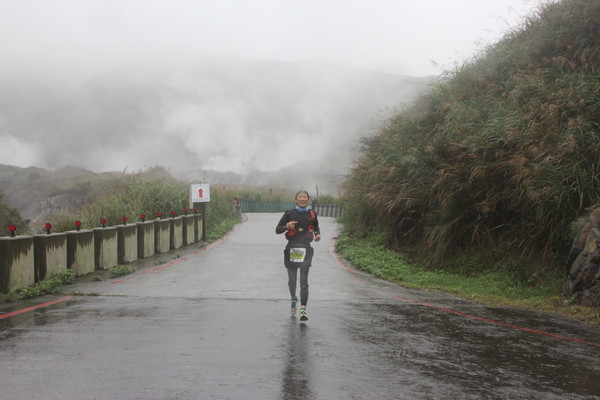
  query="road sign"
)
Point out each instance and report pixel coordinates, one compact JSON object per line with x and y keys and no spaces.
{"x":200,"y":193}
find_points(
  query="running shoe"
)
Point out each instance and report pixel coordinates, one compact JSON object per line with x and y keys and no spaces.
{"x":293,"y":308}
{"x":303,"y":315}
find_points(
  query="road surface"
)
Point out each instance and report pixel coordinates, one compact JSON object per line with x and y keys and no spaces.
{"x":214,"y":323}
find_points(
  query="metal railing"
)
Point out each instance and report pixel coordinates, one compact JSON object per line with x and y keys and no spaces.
{"x":325,"y":210}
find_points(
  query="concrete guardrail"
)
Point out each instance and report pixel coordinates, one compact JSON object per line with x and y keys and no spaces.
{"x":50,"y":255}
{"x":25,"y":260}
{"x":17,"y":268}
{"x":105,"y":248}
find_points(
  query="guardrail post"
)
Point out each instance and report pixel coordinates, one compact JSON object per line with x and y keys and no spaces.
{"x":50,"y":255}
{"x":17,"y":268}
{"x":146,"y":238}
{"x":105,"y":248}
{"x":80,"y":251}
{"x":127,"y":243}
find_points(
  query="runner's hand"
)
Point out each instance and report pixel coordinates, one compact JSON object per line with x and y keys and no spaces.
{"x":291,"y":225}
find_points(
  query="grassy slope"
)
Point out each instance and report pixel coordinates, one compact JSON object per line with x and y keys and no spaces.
{"x":482,"y":178}
{"x":502,"y":156}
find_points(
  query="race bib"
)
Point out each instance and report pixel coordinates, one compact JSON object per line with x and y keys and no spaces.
{"x":298,"y":254}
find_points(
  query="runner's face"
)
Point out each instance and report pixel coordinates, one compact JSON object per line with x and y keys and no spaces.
{"x":302,"y":200}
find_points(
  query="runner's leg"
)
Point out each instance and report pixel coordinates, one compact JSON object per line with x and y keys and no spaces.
{"x":304,"y":285}
{"x":292,"y":278}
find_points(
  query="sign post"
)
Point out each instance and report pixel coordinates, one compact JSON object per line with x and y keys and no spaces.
{"x":200,"y":195}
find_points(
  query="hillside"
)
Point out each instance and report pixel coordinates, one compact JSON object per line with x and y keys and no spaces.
{"x":36,"y":192}
{"x":497,"y":161}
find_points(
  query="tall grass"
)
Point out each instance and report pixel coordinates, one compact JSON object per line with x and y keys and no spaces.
{"x":502,"y":155}
{"x":131,"y":197}
{"x":134,"y":195}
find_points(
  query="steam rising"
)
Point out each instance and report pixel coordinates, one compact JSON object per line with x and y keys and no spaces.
{"x":209,"y":113}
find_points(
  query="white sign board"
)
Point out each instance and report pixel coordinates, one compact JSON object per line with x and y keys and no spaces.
{"x":200,"y":193}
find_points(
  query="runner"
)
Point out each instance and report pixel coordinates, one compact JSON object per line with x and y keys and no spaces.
{"x":301,"y":227}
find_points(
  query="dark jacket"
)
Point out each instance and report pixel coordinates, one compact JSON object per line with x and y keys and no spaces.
{"x":301,"y":236}
{"x":306,"y":228}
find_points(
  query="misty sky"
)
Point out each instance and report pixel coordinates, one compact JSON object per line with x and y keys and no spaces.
{"x":71,"y":41}
{"x":407,"y":37}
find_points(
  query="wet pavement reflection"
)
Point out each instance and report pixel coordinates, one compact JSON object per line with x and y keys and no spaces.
{"x":296,"y":380}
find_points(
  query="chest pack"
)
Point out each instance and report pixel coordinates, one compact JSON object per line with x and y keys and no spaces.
{"x":302,"y":228}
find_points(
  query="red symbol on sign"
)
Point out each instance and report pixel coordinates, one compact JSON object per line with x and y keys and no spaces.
{"x":201,"y":192}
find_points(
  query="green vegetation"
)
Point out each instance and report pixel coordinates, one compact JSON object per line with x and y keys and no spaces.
{"x":52,"y":285}
{"x":498,"y":287}
{"x":133,"y":196}
{"x":221,"y":216}
{"x":485,"y":173}
{"x":10,"y":216}
{"x":120,"y":270}
{"x":137,"y":194}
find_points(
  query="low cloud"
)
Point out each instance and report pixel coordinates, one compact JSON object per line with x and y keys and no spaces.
{"x":19,"y":153}
{"x":222,"y":114}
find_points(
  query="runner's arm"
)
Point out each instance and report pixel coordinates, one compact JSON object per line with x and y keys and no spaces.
{"x":280,"y":228}
{"x":317,"y":231}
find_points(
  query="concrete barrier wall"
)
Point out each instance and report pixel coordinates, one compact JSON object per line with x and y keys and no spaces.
{"x":105,"y":248}
{"x":176,"y":233}
{"x":188,"y":230}
{"x":25,"y":260}
{"x":162,"y":236}
{"x":145,"y":238}
{"x":127,"y":243}
{"x":50,"y":255}
{"x":16,"y":263}
{"x":80,"y":251}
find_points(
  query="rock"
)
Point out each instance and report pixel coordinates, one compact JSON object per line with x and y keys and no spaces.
{"x":583,"y":279}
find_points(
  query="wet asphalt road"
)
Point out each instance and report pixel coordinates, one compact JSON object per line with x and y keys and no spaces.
{"x":214,"y":324}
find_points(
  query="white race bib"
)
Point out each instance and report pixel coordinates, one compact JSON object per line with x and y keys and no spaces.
{"x":297,"y":254}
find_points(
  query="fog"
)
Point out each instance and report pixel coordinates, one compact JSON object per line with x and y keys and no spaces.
{"x":222,"y":85}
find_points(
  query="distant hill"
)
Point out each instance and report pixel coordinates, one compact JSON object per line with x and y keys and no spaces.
{"x":36,"y":191}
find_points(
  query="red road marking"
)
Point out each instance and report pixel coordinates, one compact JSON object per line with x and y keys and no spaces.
{"x":24,"y":310}
{"x":491,"y":321}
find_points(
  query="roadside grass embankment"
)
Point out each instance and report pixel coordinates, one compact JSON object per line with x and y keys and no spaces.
{"x":501,"y":288}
